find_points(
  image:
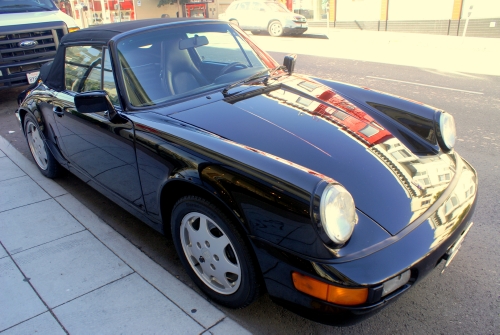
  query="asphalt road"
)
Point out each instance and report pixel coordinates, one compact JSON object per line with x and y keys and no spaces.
{"x":465,"y":299}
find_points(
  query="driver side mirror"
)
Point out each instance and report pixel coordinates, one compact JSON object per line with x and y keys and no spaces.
{"x":95,"y":102}
{"x":289,"y":63}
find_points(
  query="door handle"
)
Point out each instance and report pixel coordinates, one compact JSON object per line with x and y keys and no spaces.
{"x":58,"y":111}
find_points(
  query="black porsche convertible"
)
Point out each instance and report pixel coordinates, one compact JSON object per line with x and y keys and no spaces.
{"x":334,"y":199}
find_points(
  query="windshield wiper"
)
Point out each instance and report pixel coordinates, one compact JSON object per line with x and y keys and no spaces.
{"x":273,"y":71}
{"x":244,"y":81}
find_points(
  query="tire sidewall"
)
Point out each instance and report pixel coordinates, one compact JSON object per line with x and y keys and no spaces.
{"x":244,"y":295}
{"x":270,"y":30}
{"x":52,"y":166}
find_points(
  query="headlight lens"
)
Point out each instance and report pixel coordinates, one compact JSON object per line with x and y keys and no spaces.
{"x":338,"y":213}
{"x":447,"y":130}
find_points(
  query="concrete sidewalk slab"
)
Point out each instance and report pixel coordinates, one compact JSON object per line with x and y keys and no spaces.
{"x":145,"y":309}
{"x":3,"y":252}
{"x":9,"y":169}
{"x":66,"y":271}
{"x":18,"y":301}
{"x":70,"y":267}
{"x":32,"y":225}
{"x":185,"y":298}
{"x":42,"y":324}
{"x":20,"y":191}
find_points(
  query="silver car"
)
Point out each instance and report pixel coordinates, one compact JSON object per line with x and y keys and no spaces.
{"x":262,"y":15}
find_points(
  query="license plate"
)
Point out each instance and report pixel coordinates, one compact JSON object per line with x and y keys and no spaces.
{"x":31,"y":76}
{"x":452,"y":252}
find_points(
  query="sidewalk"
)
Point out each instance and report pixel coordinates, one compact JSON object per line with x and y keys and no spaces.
{"x":63,"y":270}
{"x":443,"y":53}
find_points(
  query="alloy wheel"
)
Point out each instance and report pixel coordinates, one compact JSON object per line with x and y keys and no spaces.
{"x":37,"y":146}
{"x":210,"y":253}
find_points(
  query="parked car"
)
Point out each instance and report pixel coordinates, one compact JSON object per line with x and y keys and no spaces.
{"x":335,"y":199}
{"x":29,"y":35}
{"x":264,"y":15}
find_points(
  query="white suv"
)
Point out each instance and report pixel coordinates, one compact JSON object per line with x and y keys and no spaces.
{"x":259,"y":15}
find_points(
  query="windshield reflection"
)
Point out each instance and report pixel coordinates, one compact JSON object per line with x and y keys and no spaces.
{"x":179,"y":61}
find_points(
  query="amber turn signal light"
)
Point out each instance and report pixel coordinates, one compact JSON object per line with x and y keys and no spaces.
{"x":72,"y":30}
{"x":334,"y":294}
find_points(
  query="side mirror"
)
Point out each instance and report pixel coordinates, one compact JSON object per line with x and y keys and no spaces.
{"x":95,"y":102}
{"x":289,"y":62}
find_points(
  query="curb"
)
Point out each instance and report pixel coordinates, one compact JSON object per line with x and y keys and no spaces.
{"x":191,"y":303}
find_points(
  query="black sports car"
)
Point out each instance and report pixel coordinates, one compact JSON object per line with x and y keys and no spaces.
{"x":335,"y":199}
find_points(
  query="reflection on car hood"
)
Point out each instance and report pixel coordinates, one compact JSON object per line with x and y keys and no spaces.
{"x":308,"y":124}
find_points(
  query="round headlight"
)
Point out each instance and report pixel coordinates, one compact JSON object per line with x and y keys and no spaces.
{"x":447,"y":130}
{"x":338,"y":213}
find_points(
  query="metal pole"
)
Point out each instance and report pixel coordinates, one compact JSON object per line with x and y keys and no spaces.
{"x":328,"y":18}
{"x":467,"y":21}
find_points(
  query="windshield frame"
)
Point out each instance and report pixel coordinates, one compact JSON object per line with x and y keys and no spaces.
{"x":266,"y":60}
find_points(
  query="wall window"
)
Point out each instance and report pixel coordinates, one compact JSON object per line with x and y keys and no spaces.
{"x":369,"y":131}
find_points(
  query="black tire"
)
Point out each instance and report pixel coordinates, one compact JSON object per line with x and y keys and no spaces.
{"x":256,"y":32}
{"x":219,"y":246}
{"x":275,"y":29}
{"x":45,"y":161}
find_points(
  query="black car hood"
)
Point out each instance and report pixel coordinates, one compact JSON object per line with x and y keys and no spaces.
{"x":309,"y":124}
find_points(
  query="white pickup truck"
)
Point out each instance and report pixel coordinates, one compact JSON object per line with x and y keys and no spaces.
{"x":30,"y":31}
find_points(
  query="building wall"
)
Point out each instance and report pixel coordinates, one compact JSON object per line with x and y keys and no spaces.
{"x":401,"y":10}
{"x":359,"y":10}
{"x":149,"y":9}
{"x":483,"y":9}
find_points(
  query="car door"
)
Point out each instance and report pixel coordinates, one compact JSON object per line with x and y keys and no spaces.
{"x":98,"y":149}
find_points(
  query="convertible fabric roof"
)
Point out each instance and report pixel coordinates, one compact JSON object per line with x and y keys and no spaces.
{"x":105,"y":32}
{"x":101,"y":35}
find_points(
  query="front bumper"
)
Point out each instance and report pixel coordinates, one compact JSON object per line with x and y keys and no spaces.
{"x":298,"y":29}
{"x":418,"y":251}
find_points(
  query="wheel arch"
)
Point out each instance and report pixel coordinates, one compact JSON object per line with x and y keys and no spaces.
{"x":176,"y":189}
{"x":275,"y":20}
{"x":22,"y":114}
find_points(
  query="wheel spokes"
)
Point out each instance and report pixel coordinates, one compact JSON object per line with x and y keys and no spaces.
{"x":210,"y":253}
{"x":37,"y":146}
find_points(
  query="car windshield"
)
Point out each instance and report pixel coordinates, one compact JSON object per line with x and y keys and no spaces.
{"x":22,"y":6}
{"x":178,"y":61}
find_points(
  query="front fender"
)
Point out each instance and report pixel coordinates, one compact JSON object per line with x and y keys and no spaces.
{"x":411,"y":121}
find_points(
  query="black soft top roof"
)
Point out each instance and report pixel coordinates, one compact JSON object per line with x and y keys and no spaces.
{"x":54,"y":77}
{"x":105,"y":32}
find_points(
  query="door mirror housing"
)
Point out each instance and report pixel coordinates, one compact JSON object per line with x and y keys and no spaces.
{"x":95,"y":102}
{"x":289,"y":62}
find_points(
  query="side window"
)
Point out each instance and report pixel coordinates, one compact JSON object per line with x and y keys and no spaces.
{"x":83,"y":68}
{"x":256,"y":6}
{"x":108,"y":83}
{"x":243,"y":6}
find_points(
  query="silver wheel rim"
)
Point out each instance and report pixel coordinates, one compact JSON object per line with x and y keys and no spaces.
{"x":37,"y":146}
{"x":210,"y":253}
{"x":275,"y":29}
